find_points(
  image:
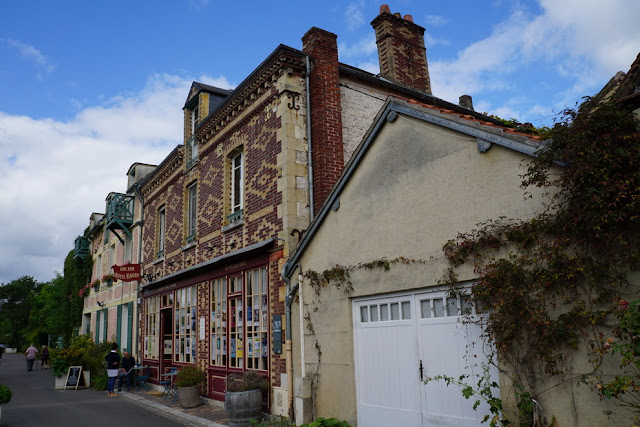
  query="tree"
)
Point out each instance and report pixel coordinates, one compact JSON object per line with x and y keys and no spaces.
{"x":16,"y":301}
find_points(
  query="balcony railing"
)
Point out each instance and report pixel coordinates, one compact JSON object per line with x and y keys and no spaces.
{"x":119,"y":213}
{"x":81,"y":249}
{"x":236,"y":216}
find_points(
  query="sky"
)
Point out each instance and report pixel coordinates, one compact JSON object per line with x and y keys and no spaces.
{"x":89,"y":88}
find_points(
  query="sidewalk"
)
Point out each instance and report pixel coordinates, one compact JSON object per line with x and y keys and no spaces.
{"x":207,"y":414}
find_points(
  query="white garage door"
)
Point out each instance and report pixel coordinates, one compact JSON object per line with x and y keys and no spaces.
{"x":401,"y":340}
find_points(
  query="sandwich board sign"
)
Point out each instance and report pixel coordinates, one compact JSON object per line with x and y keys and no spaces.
{"x":75,"y":378}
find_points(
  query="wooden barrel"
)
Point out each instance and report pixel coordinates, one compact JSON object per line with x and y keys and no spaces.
{"x":243,"y":406}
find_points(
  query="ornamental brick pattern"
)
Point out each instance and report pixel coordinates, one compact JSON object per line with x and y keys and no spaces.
{"x":401,"y":50}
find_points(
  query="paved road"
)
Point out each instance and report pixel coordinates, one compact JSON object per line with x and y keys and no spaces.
{"x":36,"y":403}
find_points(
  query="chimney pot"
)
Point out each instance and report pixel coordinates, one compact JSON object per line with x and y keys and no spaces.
{"x":397,"y":15}
{"x":385,"y":9}
{"x":466,"y":101}
{"x":408,"y":18}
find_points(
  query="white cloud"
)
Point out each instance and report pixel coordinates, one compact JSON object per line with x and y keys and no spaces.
{"x":32,"y":54}
{"x":363,"y":48}
{"x":55,"y":174}
{"x":354,"y":15}
{"x":583,"y":42}
{"x":436,"y":20}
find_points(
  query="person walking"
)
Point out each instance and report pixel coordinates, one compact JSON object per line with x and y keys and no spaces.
{"x":128,"y":362}
{"x":113,"y":362}
{"x":31,"y":357}
{"x":45,"y":357}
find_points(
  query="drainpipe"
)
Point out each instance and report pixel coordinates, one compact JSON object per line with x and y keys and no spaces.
{"x":289,"y":300}
{"x":309,"y":152}
{"x":136,"y":187}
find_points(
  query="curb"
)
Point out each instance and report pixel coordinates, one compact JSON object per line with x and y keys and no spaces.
{"x":181,"y":417}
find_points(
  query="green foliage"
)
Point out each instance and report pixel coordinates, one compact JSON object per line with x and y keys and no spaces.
{"x":101,"y":381}
{"x":77,"y":273}
{"x":17,"y":299}
{"x":553,"y":281}
{"x":273,"y":421}
{"x":82,"y":352}
{"x":483,"y":392}
{"x":327,"y":422}
{"x":189,"y":376}
{"x":5,"y":394}
{"x":248,"y":380}
{"x":340,"y":275}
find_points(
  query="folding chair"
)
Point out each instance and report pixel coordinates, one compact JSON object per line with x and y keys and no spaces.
{"x":141,"y":380}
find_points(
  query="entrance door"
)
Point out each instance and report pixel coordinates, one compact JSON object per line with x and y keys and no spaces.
{"x":166,"y":349}
{"x":401,"y":340}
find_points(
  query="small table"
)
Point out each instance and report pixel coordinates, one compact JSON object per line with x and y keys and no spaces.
{"x":141,"y":375}
{"x":168,"y":383}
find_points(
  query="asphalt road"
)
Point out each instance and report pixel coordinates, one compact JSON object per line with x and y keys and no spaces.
{"x":36,"y":403}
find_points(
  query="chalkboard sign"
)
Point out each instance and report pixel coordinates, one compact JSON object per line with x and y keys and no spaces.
{"x":75,"y":378}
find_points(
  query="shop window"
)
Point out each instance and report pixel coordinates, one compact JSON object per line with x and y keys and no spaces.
{"x":185,"y":325}
{"x":219,"y":322}
{"x":151,"y":327}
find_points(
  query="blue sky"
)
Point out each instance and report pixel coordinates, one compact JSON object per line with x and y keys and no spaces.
{"x":88,"y":88}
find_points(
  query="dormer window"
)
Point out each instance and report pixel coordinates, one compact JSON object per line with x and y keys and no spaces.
{"x":195,"y":119}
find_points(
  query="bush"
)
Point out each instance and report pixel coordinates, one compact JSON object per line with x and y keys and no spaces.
{"x":5,"y":394}
{"x":249,"y":380}
{"x":100,"y":382}
{"x":327,"y":422}
{"x":189,"y":376}
{"x":82,"y":352}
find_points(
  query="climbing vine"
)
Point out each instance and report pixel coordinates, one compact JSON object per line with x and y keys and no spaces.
{"x":555,"y":284}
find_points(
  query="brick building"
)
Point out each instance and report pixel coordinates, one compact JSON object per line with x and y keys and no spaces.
{"x":223,"y":211}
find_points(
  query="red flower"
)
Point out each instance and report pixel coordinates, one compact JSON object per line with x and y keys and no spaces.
{"x":624,"y":304}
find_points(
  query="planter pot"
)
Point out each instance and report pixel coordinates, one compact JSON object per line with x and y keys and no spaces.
{"x":243,"y":406}
{"x":189,"y":397}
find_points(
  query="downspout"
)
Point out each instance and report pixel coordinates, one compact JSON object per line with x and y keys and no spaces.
{"x":309,"y":152}
{"x":137,"y":322}
{"x":289,"y":300}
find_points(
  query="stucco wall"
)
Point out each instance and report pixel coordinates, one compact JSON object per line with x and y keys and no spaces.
{"x":419,"y":185}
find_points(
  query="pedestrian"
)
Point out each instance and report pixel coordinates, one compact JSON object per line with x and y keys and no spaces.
{"x":128,"y":362}
{"x":113,"y":362}
{"x":31,"y":357}
{"x":45,"y":357}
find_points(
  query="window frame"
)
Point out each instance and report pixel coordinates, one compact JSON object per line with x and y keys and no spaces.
{"x":151,"y":327}
{"x":162,"y":223}
{"x":185,"y":325}
{"x":192,"y":212}
{"x":237,"y":188}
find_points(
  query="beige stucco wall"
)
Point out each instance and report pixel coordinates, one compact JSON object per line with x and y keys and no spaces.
{"x":419,"y":185}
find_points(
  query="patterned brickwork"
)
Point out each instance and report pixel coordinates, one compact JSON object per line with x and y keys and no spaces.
{"x":401,"y":50}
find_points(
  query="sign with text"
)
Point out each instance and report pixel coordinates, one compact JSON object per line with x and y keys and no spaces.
{"x":127,"y":273}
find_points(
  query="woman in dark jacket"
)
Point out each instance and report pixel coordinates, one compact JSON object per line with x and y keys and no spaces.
{"x":113,"y":362}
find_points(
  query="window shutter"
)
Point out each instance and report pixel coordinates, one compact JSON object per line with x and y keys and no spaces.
{"x":119,"y":327}
{"x":98,"y":327}
{"x":130,"y":327}
{"x":105,"y":323}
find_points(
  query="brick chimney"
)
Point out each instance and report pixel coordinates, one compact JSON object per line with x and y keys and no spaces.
{"x":326,"y":112}
{"x":401,"y":50}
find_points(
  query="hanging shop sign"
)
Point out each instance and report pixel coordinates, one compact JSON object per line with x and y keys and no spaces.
{"x":127,"y":273}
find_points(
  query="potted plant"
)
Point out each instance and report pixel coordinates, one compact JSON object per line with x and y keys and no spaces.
{"x":187,"y":383}
{"x":243,"y":398}
{"x":5,"y":397}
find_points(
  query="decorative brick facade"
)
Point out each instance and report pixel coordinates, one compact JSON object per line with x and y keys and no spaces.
{"x":401,"y":50}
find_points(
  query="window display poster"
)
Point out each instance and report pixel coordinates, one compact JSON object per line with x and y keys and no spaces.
{"x":239,"y":348}
{"x":248,"y":315}
{"x":249,"y":347}
{"x":233,"y":347}
{"x":256,"y":316}
{"x":240,"y":316}
{"x":215,"y":346}
{"x":264,"y":310}
{"x":202,"y":331}
{"x":213,"y":319}
{"x":264,"y":347}
{"x":233,"y":317}
{"x":256,"y":345}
